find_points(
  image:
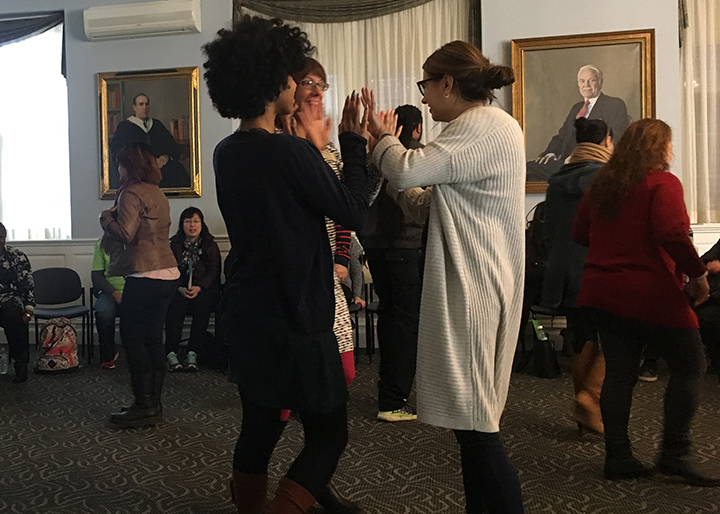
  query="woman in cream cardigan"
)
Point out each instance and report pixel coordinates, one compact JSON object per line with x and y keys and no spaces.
{"x":473,"y":287}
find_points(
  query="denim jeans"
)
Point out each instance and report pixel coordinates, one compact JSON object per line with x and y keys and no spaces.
{"x":106,"y":310}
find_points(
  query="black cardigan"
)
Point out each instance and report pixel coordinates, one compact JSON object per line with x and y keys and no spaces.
{"x":274,"y":191}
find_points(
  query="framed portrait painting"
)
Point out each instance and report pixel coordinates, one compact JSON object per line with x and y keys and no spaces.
{"x":608,"y":76}
{"x":160,"y":108}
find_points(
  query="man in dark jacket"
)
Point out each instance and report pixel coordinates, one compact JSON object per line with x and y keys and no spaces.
{"x":392,"y":242}
{"x":142,"y":128}
{"x":566,"y":260}
{"x":595,"y":105}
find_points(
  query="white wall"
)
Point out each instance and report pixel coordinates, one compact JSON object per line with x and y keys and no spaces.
{"x":85,"y":59}
{"x":502,"y":22}
{"x":518,"y":19}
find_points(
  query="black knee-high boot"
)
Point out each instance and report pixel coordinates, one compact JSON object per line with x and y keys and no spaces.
{"x":143,"y":412}
{"x":158,"y":380}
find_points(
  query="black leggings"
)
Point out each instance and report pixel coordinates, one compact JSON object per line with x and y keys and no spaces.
{"x":326,"y":435}
{"x":623,"y":341}
{"x":490,"y":479}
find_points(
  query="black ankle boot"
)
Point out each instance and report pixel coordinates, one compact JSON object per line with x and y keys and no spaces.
{"x":620,"y":464}
{"x":626,"y":469}
{"x":680,"y":467}
{"x":334,"y":503}
{"x":21,"y":372}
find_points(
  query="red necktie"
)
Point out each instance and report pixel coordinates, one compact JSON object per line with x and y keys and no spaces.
{"x":583,"y":112}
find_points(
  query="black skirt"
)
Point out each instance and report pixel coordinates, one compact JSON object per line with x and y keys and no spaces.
{"x":277,"y":366}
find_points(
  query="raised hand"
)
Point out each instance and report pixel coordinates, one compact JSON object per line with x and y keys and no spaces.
{"x":351,"y":121}
{"x":373,"y":119}
{"x":313,"y":126}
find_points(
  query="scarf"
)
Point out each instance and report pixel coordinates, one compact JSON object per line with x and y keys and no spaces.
{"x":589,"y":152}
{"x":191,"y":255}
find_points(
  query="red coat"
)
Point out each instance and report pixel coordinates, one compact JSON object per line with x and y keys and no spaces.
{"x":635,"y":263}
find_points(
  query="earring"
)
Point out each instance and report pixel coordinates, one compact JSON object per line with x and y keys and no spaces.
{"x":446,"y":95}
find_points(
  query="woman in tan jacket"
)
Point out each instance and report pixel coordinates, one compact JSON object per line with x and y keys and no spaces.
{"x":140,"y":221}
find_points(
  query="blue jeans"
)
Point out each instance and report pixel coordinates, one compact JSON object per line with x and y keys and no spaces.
{"x":106,"y":310}
{"x":490,"y":479}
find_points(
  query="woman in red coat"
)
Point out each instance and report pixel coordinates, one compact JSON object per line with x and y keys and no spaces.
{"x":634,"y":221}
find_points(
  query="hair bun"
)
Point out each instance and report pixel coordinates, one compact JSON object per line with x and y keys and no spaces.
{"x":497,"y":76}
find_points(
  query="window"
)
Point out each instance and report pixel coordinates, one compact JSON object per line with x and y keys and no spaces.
{"x":34,"y":148}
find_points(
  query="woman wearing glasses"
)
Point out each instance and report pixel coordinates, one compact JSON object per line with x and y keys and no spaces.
{"x":198,"y":290}
{"x":473,"y":282}
{"x":309,"y":95}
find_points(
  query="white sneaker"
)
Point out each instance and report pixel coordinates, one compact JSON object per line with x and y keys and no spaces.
{"x":404,"y":414}
{"x":173,"y":364}
{"x":191,"y":362}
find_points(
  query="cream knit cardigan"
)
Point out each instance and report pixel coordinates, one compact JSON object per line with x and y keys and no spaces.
{"x":474,"y":269}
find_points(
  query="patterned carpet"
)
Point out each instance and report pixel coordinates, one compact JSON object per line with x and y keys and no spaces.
{"x":58,"y":457}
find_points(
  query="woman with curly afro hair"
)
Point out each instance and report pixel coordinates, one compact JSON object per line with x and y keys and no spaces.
{"x":274,"y":192}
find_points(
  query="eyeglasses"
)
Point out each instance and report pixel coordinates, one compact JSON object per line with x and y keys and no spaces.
{"x":311,"y":84}
{"x":421,"y":84}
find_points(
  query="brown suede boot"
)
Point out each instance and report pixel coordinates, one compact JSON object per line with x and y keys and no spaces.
{"x":580,"y":364}
{"x":249,"y":492}
{"x":290,"y":498}
{"x":588,"y":388}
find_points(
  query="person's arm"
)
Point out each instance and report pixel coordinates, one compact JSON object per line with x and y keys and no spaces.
{"x":356,"y":271}
{"x":713,"y":254}
{"x":213,"y":267}
{"x":98,"y":269}
{"x":24,"y":282}
{"x":308,"y":173}
{"x":342,"y":246}
{"x":166,"y":144}
{"x":670,"y":226}
{"x":581,"y":224}
{"x":375,"y":180}
{"x":415,"y":202}
{"x":566,"y":132}
{"x":122,"y":223}
{"x":412,"y":168}
{"x":614,"y":112}
{"x":100,"y":282}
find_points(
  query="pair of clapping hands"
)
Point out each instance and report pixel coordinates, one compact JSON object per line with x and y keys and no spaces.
{"x":372,"y":125}
{"x":311,"y":124}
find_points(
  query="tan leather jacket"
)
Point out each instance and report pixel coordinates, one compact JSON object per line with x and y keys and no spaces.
{"x":140,"y":221}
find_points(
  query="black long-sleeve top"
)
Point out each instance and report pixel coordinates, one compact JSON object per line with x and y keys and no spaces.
{"x":274,"y":191}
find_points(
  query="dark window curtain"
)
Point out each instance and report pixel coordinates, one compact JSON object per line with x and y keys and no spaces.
{"x":325,"y":11}
{"x":336,"y":11}
{"x":16,"y":27}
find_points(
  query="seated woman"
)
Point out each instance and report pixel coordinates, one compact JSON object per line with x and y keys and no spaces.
{"x":198,"y":291}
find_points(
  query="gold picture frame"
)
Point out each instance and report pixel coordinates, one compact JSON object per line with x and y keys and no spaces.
{"x":546,"y":86}
{"x":170,"y":126}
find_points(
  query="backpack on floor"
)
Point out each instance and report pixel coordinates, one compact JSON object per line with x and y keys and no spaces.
{"x":57,"y":348}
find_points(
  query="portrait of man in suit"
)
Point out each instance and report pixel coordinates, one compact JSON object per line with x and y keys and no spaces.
{"x":594,"y":105}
